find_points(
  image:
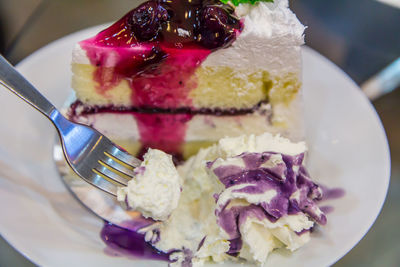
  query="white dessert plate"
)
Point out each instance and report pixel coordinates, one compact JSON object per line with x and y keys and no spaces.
{"x":41,"y":219}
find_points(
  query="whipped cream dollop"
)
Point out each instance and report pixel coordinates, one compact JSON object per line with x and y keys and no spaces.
{"x":270,"y":40}
{"x":156,"y":187}
{"x":242,"y":197}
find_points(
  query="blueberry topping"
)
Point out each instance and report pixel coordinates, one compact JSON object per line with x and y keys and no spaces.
{"x":208,"y":23}
{"x":217,"y":27}
{"x":151,"y":62}
{"x":145,"y":21}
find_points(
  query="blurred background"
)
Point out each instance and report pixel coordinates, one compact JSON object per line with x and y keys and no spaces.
{"x":362,"y":37}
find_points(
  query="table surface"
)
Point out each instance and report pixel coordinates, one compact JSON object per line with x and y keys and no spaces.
{"x":361,"y":37}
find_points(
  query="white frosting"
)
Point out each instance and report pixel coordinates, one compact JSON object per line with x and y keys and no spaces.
{"x":213,"y":247}
{"x":114,"y":126}
{"x":155,"y":189}
{"x":258,"y":241}
{"x":273,"y":21}
{"x":79,"y":55}
{"x":270,"y":40}
{"x":232,"y":146}
{"x":262,"y":237}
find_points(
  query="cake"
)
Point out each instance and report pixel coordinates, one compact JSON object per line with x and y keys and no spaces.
{"x":218,"y":86}
{"x":180,"y":75}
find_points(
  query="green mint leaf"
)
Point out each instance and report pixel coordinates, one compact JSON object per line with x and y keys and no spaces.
{"x":237,"y":2}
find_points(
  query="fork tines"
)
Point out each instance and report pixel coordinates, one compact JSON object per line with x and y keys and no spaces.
{"x":114,"y":168}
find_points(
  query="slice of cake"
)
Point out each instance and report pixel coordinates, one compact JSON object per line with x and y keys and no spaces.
{"x":179,"y":75}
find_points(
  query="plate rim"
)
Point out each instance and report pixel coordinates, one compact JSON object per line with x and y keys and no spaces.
{"x":388,"y":167}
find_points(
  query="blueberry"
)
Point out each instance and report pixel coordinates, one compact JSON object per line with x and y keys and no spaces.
{"x":217,"y":27}
{"x":151,"y":62}
{"x":211,"y":2}
{"x":145,"y":20}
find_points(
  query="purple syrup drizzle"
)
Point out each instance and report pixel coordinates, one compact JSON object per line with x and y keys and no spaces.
{"x":331,"y":193}
{"x":327,"y":209}
{"x":328,"y":194}
{"x":124,"y":242}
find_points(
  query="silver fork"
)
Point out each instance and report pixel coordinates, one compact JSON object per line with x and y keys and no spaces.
{"x":89,"y":153}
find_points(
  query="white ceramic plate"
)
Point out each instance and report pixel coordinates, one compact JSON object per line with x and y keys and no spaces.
{"x":41,"y":219}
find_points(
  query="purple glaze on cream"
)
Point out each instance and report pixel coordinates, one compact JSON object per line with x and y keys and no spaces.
{"x":254,"y":160}
{"x":188,"y":256}
{"x":251,"y":189}
{"x":257,"y":179}
{"x":230,"y":171}
{"x":295,"y":191}
{"x":155,"y":237}
{"x":231,"y":219}
{"x":235,"y":246}
{"x":229,"y":175}
{"x":303,"y":231}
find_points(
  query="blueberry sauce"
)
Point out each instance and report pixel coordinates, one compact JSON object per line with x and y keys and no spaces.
{"x":145,"y":48}
{"x":124,"y":242}
{"x":157,"y":48}
{"x":332,"y":193}
{"x":162,"y":131}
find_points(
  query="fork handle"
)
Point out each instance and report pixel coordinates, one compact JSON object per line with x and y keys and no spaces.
{"x":16,"y":83}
